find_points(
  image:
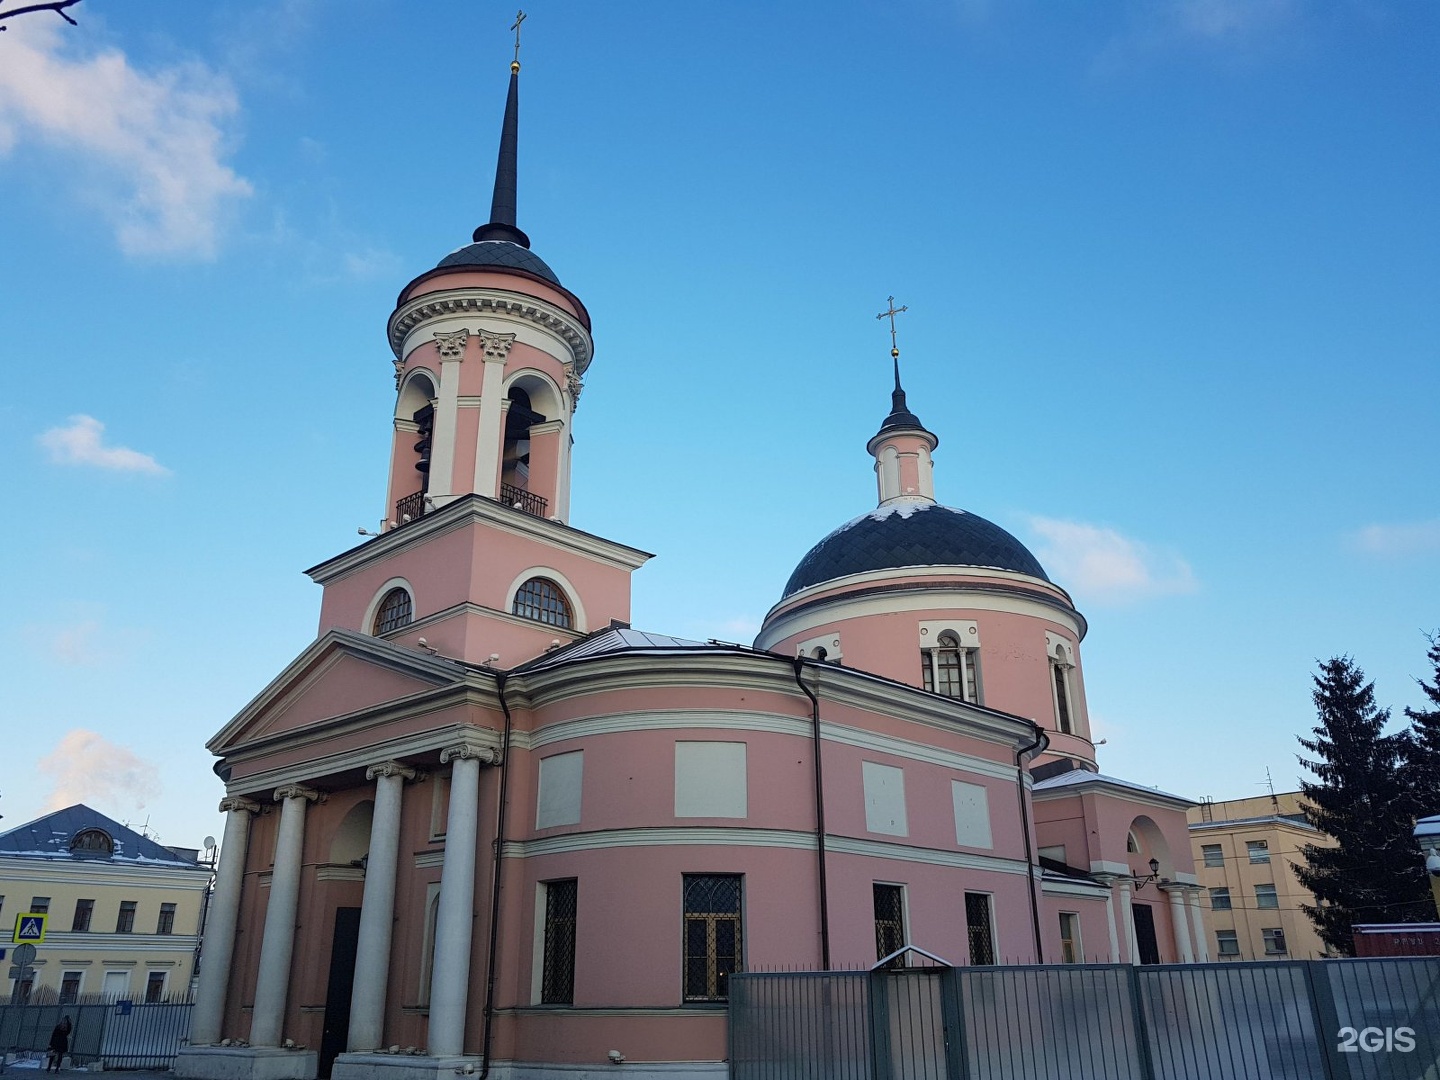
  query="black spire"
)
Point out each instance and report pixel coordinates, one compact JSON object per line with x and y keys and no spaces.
{"x":502,"y":206}
{"x":900,"y":414}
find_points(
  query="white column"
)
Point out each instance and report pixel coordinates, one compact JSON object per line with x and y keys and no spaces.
{"x":492,"y":419}
{"x":1127,"y":913}
{"x":1197,"y":921}
{"x":450,"y":978}
{"x":218,"y":940}
{"x":451,"y":350}
{"x":278,"y":944}
{"x":377,"y":909}
{"x":1110,"y":924}
{"x":1180,"y":925}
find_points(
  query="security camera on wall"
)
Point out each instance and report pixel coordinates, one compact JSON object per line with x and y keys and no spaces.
{"x":1432,"y":864}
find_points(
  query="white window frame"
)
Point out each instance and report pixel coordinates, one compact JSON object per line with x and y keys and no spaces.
{"x":427,"y":942}
{"x":1221,"y":937}
{"x":1079,"y":948}
{"x":967,"y":638}
{"x":373,"y":609}
{"x":1219,"y":852}
{"x":1258,"y":847}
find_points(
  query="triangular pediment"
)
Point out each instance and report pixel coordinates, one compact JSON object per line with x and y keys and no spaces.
{"x":341,"y":674}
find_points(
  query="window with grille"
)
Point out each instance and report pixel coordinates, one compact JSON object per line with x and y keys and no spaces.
{"x":712,"y":934}
{"x":542,"y":601}
{"x":889,"y":920}
{"x":1214,"y":855}
{"x":1228,"y":942}
{"x":1258,"y":850}
{"x":395,"y":611}
{"x":1219,"y":899}
{"x":125,"y":921}
{"x":96,"y":841}
{"x":166,"y":925}
{"x":557,"y":980}
{"x":950,"y":670}
{"x":979,"y":929}
{"x":84,"y":909}
{"x":1274,"y":941}
{"x":1070,"y":951}
{"x":1266,"y":897}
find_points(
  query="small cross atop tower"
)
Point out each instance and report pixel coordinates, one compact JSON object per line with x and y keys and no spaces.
{"x":890,"y":314}
{"x":519,"y":18}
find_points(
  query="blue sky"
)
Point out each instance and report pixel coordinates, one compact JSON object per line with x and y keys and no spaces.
{"x":1171,"y":270}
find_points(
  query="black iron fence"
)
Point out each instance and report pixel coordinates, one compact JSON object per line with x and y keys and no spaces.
{"x":1288,"y":1020}
{"x":113,"y":1035}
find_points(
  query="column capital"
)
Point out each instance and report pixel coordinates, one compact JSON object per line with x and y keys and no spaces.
{"x":487,"y":755}
{"x":298,"y":791}
{"x":392,"y":768}
{"x":239,"y":802}
{"x":496,"y":346}
{"x":451,"y":346}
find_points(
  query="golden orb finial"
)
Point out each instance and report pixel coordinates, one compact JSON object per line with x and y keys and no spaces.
{"x":514,"y":67}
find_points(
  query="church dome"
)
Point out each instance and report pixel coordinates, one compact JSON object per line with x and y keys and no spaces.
{"x":502,"y":254}
{"x":912,"y":534}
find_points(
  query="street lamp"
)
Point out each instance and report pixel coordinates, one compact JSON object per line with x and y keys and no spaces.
{"x":1140,"y":882}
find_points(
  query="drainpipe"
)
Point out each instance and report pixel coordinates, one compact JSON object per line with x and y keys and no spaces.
{"x":1041,"y":741}
{"x":819,"y":814}
{"x":500,"y":677}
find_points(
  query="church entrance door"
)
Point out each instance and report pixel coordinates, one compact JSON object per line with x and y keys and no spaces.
{"x":343,"y":945}
{"x":1145,"y":933}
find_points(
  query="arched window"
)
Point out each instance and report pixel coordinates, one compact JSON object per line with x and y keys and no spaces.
{"x":395,"y":611}
{"x":1060,"y":672}
{"x":542,"y":600}
{"x":93,"y":841}
{"x":952,"y":670}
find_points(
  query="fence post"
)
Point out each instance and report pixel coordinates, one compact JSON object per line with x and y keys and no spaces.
{"x":1142,"y":1026}
{"x":952,"y":1013}
{"x":879,"y":1003}
{"x":1327,"y":1018}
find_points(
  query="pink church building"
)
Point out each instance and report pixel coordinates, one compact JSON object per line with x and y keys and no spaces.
{"x":481,"y":825}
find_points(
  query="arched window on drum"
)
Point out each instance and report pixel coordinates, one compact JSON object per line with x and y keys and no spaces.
{"x":544,"y":601}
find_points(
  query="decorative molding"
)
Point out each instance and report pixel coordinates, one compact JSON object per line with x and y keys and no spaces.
{"x":238,"y":802}
{"x":486,"y":755}
{"x":297,"y":791}
{"x":399,"y":372}
{"x":574,"y":385}
{"x":333,"y":872}
{"x":452,"y":346}
{"x":496,"y":346}
{"x":561,"y":324}
{"x":392,"y":768}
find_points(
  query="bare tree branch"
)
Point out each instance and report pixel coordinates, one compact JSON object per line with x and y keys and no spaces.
{"x":57,"y":6}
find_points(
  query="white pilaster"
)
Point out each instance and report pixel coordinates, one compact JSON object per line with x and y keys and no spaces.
{"x":1180,"y":925}
{"x":491,"y":435}
{"x":219,"y":932}
{"x":450,"y":978}
{"x":1197,"y":921}
{"x":1110,"y":925}
{"x":1127,"y":913}
{"x":377,"y":909}
{"x":278,"y":943}
{"x":451,"y":348}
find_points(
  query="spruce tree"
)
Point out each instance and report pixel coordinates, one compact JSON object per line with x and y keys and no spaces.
{"x":1422,"y":749}
{"x":1373,"y":874}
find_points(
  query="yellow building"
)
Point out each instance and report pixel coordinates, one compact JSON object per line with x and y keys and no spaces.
{"x":124,"y":911}
{"x":1245,"y":852}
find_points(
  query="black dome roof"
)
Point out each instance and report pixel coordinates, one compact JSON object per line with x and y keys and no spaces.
{"x":912,"y":534}
{"x":500,"y":253}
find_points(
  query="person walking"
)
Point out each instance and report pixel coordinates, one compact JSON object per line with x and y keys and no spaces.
{"x":59,"y":1044}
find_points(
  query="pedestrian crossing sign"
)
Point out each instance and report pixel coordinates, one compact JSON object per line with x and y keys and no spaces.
{"x":30,"y":926}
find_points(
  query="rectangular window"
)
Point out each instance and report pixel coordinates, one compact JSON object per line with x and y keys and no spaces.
{"x":1219,"y":899}
{"x":1265,"y":897}
{"x":427,"y":941}
{"x":1062,"y":698}
{"x":1227,"y":942}
{"x":116,"y":985}
{"x":884,"y":799}
{"x":710,"y":780}
{"x":21,"y":994}
{"x":1214,"y":855}
{"x":154,"y":987}
{"x":1258,"y":850}
{"x":712,"y":934}
{"x":70,"y":986}
{"x":972,"y":814}
{"x":561,"y":779}
{"x":1070,"y":951}
{"x":166,"y":923}
{"x":889,"y":920}
{"x":1274,"y":941}
{"x":951,"y":670}
{"x":440,"y":808}
{"x":84,"y":909}
{"x":125,"y":922}
{"x":979,"y":928}
{"x":39,"y":905}
{"x":557,"y":978}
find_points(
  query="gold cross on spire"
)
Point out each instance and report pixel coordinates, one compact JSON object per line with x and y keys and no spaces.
{"x":890,"y":314}
{"x":519,"y":18}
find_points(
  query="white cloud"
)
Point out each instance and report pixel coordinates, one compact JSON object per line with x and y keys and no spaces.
{"x":1415,"y":538}
{"x":1104,"y":565}
{"x":150,"y":144}
{"x":81,"y":443}
{"x":85,"y":767}
{"x":76,"y":644}
{"x":1225,"y":27}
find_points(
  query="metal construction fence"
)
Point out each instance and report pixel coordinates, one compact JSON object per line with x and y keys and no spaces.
{"x":113,"y":1035}
{"x":1286,"y":1020}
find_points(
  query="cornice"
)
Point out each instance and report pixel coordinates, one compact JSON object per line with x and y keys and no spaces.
{"x":469,"y":510}
{"x":1103,"y":786}
{"x":105,"y":874}
{"x":496,"y":302}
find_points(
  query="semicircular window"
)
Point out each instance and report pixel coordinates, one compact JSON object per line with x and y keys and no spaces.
{"x":541,"y":599}
{"x":395,"y":611}
{"x":92,"y":842}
